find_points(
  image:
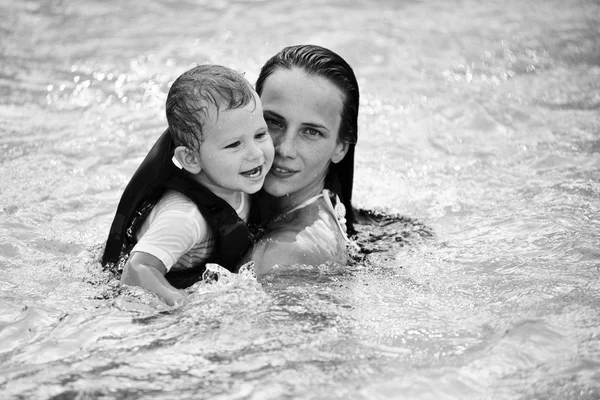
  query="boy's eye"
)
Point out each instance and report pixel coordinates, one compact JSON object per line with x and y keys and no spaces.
{"x":233,"y":145}
{"x":261,"y":135}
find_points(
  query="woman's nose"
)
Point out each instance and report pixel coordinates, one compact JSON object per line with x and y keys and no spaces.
{"x":285,"y":145}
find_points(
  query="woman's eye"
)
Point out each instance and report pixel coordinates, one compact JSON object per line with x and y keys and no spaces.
{"x":273,"y":123}
{"x":312,"y":132}
{"x":233,"y":145}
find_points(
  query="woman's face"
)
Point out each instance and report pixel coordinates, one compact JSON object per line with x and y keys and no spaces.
{"x":303,"y":115}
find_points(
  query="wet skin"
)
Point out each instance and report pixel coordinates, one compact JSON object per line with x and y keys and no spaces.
{"x":303,"y":113}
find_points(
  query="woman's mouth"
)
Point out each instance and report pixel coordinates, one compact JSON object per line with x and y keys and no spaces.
{"x":281,"y":172}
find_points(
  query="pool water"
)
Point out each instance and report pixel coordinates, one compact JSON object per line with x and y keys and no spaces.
{"x":479,"y":122}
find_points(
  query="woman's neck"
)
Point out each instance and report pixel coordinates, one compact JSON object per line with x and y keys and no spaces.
{"x":295,"y":199}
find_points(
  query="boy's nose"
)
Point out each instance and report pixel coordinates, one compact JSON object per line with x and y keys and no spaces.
{"x":254,"y":152}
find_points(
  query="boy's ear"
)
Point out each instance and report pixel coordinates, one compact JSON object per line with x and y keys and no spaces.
{"x":340,"y":152}
{"x":189,"y":160}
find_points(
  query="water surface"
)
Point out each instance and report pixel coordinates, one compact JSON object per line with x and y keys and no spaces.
{"x":479,"y":119}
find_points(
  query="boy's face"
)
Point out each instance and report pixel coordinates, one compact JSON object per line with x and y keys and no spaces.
{"x":237,"y":152}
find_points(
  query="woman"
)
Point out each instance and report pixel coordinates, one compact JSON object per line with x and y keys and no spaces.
{"x":310,"y":99}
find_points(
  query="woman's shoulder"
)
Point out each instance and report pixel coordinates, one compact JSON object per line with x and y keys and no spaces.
{"x":305,"y":236}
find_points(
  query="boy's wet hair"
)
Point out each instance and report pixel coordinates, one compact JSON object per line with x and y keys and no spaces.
{"x":319,"y":61}
{"x":195,"y":93}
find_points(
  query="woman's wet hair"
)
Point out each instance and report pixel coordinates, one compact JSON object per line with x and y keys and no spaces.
{"x":195,"y":93}
{"x":319,"y":61}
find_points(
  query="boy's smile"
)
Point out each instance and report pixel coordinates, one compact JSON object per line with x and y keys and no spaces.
{"x":253,"y":173}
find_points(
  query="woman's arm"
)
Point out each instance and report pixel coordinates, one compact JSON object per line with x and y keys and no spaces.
{"x":313,"y":245}
{"x":271,"y":251}
{"x":148,"y":272}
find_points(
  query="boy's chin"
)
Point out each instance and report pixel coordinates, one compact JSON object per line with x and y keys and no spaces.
{"x":251,"y":189}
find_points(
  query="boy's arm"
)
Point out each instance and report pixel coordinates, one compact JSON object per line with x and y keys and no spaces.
{"x":148,"y":272}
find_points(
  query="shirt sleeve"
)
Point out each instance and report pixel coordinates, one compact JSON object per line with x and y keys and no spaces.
{"x":172,"y":233}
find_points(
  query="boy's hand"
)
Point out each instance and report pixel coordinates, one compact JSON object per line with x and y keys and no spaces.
{"x":175,"y":299}
{"x":148,"y":272}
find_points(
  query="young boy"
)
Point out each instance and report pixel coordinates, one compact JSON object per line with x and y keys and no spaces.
{"x":178,"y":218}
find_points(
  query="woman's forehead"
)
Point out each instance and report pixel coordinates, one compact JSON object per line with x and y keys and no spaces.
{"x":297,"y":94}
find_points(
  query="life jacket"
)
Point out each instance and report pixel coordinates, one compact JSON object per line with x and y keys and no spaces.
{"x":157,"y":173}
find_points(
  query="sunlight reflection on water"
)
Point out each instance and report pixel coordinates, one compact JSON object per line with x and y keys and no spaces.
{"x":479,"y":119}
